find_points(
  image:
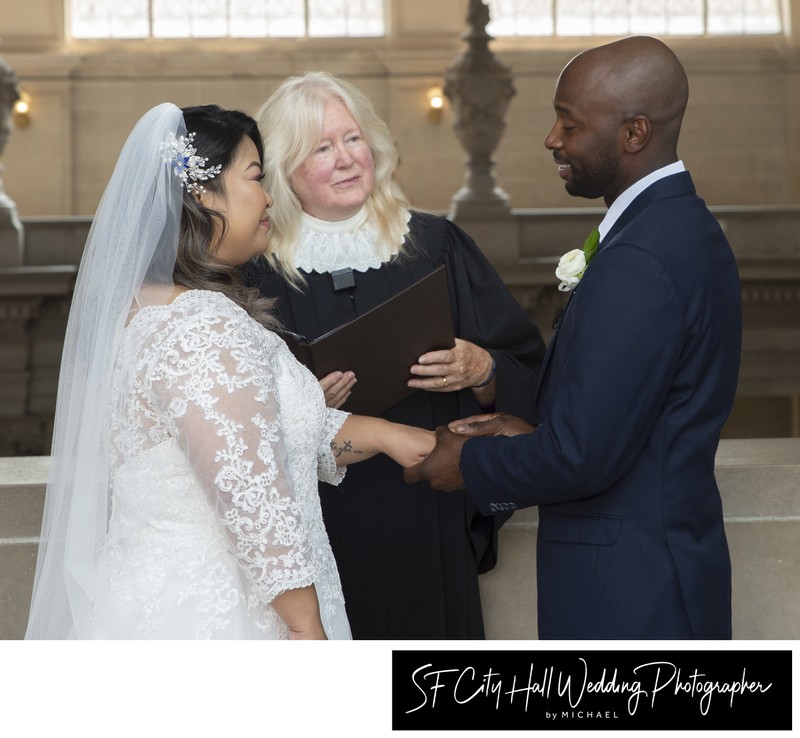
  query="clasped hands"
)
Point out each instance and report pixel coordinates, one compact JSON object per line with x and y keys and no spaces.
{"x":442,"y":467}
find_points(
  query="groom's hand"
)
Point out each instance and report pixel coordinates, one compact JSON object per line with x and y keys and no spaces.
{"x":441,"y":469}
{"x":495,"y":424}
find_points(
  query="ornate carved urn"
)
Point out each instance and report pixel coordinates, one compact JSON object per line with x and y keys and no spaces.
{"x":479,"y":87}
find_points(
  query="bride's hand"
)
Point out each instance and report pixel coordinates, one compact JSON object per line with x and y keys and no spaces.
{"x":408,"y":445}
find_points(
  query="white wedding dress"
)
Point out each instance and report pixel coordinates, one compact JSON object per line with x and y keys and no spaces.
{"x":219,"y":437}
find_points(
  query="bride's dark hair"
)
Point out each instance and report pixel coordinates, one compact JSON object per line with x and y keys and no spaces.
{"x":218,"y":135}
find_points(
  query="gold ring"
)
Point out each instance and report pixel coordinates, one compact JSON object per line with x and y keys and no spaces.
{"x":444,"y":381}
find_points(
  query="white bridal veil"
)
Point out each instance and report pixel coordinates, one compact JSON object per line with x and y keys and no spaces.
{"x":132,"y":245}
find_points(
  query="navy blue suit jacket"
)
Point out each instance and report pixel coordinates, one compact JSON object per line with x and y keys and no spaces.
{"x":637,"y":383}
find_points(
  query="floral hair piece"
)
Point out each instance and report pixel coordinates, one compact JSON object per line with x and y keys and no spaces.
{"x":187,"y":166}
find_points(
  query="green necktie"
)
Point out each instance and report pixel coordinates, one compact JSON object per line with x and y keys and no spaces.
{"x":590,"y":245}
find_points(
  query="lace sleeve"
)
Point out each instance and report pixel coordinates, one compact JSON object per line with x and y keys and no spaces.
{"x":327,"y":471}
{"x":214,"y":385}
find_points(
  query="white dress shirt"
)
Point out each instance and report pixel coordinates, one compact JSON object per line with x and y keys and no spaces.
{"x":619,"y":205}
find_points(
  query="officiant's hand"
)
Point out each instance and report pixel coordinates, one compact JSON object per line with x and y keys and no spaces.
{"x":464,"y":365}
{"x":442,"y":468}
{"x":493,"y":424}
{"x":337,"y":387}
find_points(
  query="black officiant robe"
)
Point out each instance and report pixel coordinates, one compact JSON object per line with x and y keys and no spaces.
{"x":409,"y":556}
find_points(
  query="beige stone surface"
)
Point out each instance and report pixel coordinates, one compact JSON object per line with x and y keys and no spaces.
{"x":760,"y":486}
{"x":508,"y":592}
{"x":766,"y":584}
{"x":22,"y":481}
{"x":17,"y":565}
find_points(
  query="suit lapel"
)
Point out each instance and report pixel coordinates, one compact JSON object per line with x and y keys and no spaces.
{"x":675,"y":185}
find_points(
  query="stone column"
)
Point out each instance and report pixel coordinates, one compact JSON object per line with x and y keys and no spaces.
{"x":479,"y":88}
{"x":11,"y":233}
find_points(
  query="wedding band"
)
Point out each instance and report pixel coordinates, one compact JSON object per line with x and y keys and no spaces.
{"x":444,"y":381}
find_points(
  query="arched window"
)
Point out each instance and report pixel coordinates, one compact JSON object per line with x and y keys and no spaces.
{"x":225,"y":18}
{"x":623,"y":17}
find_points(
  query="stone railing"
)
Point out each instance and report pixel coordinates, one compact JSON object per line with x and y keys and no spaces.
{"x":760,"y":485}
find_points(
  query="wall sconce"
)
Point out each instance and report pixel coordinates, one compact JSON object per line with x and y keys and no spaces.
{"x":21,"y":112}
{"x":435,"y":104}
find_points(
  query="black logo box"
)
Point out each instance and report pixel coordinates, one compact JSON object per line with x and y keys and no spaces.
{"x":592,"y":690}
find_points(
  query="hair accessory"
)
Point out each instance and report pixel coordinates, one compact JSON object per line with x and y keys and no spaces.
{"x":188,"y":167}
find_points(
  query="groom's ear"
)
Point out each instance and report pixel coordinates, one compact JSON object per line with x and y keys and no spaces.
{"x":637,"y":133}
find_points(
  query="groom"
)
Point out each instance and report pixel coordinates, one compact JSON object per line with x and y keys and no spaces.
{"x":637,"y":383}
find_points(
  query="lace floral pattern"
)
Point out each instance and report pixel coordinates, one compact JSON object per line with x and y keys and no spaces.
{"x":219,"y":435}
{"x":325,"y":246}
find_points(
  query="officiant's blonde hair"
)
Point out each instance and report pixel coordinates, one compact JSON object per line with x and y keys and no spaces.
{"x":291,"y":124}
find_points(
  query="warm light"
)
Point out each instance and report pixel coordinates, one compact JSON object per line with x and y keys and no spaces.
{"x":21,"y":111}
{"x":435,"y":103}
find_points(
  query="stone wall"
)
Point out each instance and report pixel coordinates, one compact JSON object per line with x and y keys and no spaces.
{"x":741,"y":136}
{"x":760,"y":485}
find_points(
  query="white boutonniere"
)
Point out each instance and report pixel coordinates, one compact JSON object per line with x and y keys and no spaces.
{"x":573,"y":264}
{"x":570,"y":269}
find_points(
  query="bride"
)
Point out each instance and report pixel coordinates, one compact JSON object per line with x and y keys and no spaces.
{"x":182,"y":500}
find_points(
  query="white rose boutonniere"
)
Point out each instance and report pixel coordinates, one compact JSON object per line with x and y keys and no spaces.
{"x":573,"y":264}
{"x":570,"y":269}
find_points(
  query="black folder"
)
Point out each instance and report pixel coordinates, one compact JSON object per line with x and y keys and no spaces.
{"x":380,"y":346}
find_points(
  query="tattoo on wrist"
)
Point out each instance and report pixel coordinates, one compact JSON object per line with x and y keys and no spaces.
{"x":346,"y":447}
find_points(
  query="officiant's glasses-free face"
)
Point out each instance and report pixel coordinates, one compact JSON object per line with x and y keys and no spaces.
{"x":335,"y":181}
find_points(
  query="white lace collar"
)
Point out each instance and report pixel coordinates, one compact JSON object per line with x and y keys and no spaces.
{"x":325,"y":246}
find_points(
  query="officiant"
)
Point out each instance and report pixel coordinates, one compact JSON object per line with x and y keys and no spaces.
{"x":343,"y":240}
